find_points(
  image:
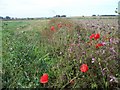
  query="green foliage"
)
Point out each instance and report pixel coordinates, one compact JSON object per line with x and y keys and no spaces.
{"x":27,"y":53}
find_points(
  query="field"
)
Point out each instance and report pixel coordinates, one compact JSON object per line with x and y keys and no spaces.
{"x":74,"y":53}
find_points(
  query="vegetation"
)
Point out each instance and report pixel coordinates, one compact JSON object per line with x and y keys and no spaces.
{"x":69,"y":53}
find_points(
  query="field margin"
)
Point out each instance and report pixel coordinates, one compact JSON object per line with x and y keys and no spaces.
{"x":0,"y":54}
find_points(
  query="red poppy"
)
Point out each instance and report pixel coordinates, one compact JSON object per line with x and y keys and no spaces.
{"x":97,"y":36}
{"x":98,"y":45}
{"x":92,"y":36}
{"x":44,"y":78}
{"x":52,"y":28}
{"x":84,"y":68}
{"x":59,"y":25}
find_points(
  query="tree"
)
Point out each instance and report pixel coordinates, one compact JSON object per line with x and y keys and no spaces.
{"x":63,"y":15}
{"x":94,"y":15}
{"x":117,"y":11}
{"x":57,"y":16}
{"x":1,"y":17}
{"x":7,"y":17}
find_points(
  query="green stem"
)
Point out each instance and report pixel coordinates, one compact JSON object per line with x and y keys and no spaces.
{"x":44,"y":85}
{"x":67,"y":83}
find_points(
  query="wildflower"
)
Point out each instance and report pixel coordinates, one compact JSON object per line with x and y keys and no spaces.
{"x":92,"y":36}
{"x":103,"y":51}
{"x":93,"y":60}
{"x":113,"y":79}
{"x":104,"y":43}
{"x":84,"y":68}
{"x":59,"y":25}
{"x":60,"y":53}
{"x":87,"y":24}
{"x":97,"y":36}
{"x":111,"y":40}
{"x":112,"y":50}
{"x":103,"y":71}
{"x":52,"y":28}
{"x":44,"y":78}
{"x":11,"y":49}
{"x":83,"y":53}
{"x":99,"y":45}
{"x":112,"y":28}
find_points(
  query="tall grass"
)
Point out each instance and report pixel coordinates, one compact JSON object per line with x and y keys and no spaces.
{"x":60,"y":53}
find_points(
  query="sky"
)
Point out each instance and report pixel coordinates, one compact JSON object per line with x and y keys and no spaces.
{"x":50,"y":8}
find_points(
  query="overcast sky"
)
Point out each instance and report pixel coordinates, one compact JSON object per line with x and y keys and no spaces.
{"x":49,"y":8}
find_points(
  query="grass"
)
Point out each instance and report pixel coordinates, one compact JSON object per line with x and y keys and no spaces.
{"x":30,"y":48}
{"x":0,"y":53}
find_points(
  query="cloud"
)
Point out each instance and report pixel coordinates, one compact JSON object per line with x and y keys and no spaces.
{"x":52,"y":7}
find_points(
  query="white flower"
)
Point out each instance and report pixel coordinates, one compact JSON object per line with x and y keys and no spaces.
{"x":113,"y":79}
{"x":93,"y":60}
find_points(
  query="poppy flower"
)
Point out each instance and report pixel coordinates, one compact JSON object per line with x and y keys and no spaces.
{"x":44,"y":78}
{"x":97,"y":36}
{"x":59,"y":25}
{"x":52,"y":28}
{"x":99,"y":45}
{"x":92,"y":36}
{"x":84,"y":68}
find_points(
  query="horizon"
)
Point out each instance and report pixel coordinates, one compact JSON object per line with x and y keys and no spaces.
{"x":50,"y":8}
{"x":54,"y":16}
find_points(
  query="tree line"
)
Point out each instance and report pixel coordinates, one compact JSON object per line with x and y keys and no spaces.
{"x":11,"y":18}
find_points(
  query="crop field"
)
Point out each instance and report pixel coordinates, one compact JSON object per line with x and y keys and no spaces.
{"x":61,"y":53}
